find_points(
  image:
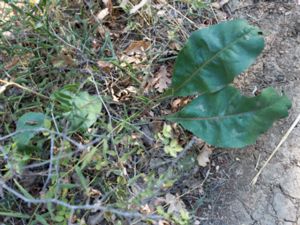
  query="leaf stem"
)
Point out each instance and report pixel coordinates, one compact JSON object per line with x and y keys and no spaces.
{"x":10,"y":83}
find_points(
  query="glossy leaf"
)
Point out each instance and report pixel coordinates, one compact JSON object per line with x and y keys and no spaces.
{"x":228,"y":119}
{"x":213,"y":56}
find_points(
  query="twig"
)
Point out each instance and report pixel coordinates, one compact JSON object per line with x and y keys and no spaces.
{"x":99,"y":95}
{"x":80,"y":147}
{"x":50,"y":164}
{"x":187,"y":147}
{"x":254,"y":180}
{"x":184,"y":16}
{"x":37,"y":130}
{"x":10,"y":83}
{"x":94,"y":207}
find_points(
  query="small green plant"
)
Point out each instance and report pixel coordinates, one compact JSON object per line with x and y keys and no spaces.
{"x":206,"y":66}
{"x":92,"y":153}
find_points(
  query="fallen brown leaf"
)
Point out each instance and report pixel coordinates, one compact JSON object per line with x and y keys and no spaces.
{"x":179,"y":102}
{"x":12,"y":63}
{"x":176,"y":205}
{"x":102,"y":14}
{"x":106,"y":66}
{"x":130,"y":60}
{"x":219,"y":4}
{"x":145,"y":209}
{"x":63,"y":59}
{"x":138,"y":6}
{"x":203,"y":157}
{"x":108,"y":4}
{"x":162,"y":79}
{"x":137,"y":47}
{"x":163,"y":222}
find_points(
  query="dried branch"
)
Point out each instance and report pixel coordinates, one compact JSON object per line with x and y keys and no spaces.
{"x":94,"y":207}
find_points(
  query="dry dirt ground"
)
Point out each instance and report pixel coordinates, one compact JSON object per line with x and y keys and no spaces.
{"x":275,"y":199}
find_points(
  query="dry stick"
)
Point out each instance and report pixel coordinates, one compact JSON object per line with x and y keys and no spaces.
{"x":254,"y":180}
{"x":50,"y":164}
{"x":10,"y":83}
{"x":94,"y":207}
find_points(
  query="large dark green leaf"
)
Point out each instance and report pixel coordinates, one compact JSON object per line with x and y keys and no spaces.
{"x":213,"y":56}
{"x":228,"y":119}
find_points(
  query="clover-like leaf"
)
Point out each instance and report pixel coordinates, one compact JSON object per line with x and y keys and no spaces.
{"x":213,"y":56}
{"x":228,"y":119}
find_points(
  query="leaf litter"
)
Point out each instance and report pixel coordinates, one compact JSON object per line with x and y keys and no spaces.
{"x":162,"y":79}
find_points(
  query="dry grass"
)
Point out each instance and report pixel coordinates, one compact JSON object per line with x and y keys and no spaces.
{"x":115,"y":172}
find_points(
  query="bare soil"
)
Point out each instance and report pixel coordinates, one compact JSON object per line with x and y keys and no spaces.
{"x":275,"y":199}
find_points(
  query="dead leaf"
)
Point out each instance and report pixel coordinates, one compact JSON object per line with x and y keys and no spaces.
{"x":145,"y":209}
{"x":94,"y":193}
{"x":64,"y":59}
{"x":203,"y":157}
{"x":123,"y":95}
{"x":3,"y":88}
{"x":124,"y":3}
{"x":137,"y":47}
{"x":130,"y":60}
{"x":163,"y":2}
{"x":179,"y":102}
{"x":220,"y":4}
{"x":102,"y":30}
{"x":162,"y":79}
{"x":8,"y":35}
{"x":102,"y":14}
{"x":105,"y":65}
{"x":108,"y":4}
{"x":176,"y":205}
{"x":176,"y":103}
{"x":175,"y":46}
{"x":138,"y":6}
{"x":12,"y":63}
{"x":163,"y":222}
{"x":135,"y":53}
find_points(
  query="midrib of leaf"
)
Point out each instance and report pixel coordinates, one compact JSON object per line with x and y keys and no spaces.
{"x":209,"y":60}
{"x":221,"y":117}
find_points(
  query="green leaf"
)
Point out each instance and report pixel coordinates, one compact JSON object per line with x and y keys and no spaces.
{"x":81,"y":109}
{"x":228,"y":119}
{"x":173,"y":148}
{"x":14,"y":215}
{"x":85,"y":110}
{"x":213,"y":56}
{"x":30,"y":121}
{"x":41,"y":219}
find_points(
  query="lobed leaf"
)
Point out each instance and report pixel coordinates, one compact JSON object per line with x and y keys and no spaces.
{"x":213,"y":56}
{"x":228,"y":119}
